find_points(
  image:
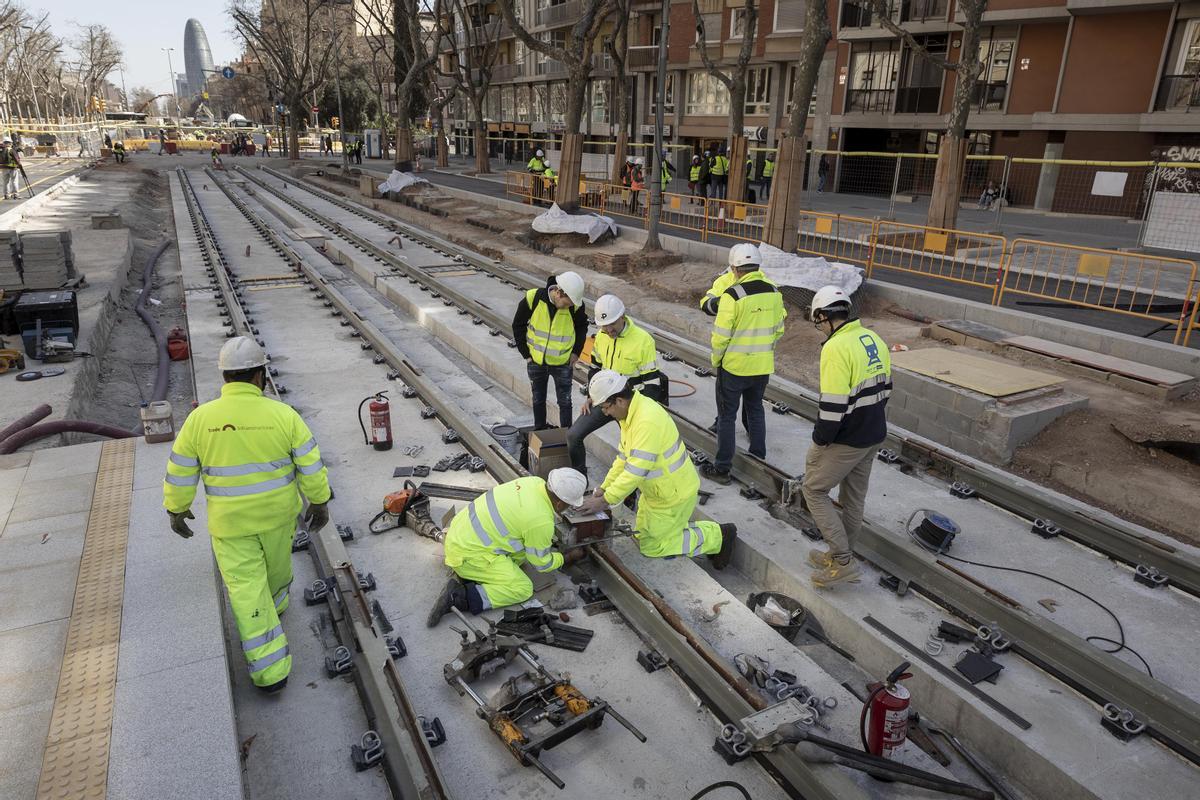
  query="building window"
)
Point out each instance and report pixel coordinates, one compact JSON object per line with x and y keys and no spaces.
{"x":541,"y":102}
{"x":600,"y":101}
{"x":668,"y":96}
{"x":789,"y":15}
{"x":558,"y":102}
{"x":508,"y":103}
{"x":758,"y":90}
{"x":706,"y":95}
{"x":873,"y":67}
{"x":920,"y":89}
{"x":737,"y":23}
{"x":492,"y":106}
{"x":793,"y":71}
{"x":522,"y":103}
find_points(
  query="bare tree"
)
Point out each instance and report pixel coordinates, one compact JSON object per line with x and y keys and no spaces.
{"x":780,"y":229}
{"x":734,"y":81}
{"x":99,"y":54}
{"x":379,"y":74}
{"x":617,"y":48}
{"x":437,"y":110}
{"x":952,"y":150}
{"x":32,"y":55}
{"x":576,"y":56}
{"x":286,"y":37}
{"x":476,"y":47}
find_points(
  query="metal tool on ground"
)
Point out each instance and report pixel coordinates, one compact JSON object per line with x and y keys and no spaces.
{"x":381,"y":421}
{"x":409,"y":506}
{"x":536,"y":626}
{"x":601,"y":540}
{"x":535,"y":719}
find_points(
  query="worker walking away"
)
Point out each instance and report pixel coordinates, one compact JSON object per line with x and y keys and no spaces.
{"x":768,"y":172}
{"x":749,"y":322}
{"x":256,"y":457}
{"x":696,"y":172}
{"x":856,"y":381}
{"x":718,"y":168}
{"x":162,"y":141}
{"x":637,"y":182}
{"x":622,"y":346}
{"x":508,"y":525}
{"x":10,"y":165}
{"x":666,"y":170}
{"x":652,"y":460}
{"x":549,"y":330}
{"x":751,"y":195}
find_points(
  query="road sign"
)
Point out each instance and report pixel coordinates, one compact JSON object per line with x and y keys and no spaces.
{"x":315,"y":109}
{"x":227,"y":72}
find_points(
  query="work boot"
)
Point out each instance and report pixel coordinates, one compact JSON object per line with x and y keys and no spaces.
{"x":720,"y":559}
{"x":715,"y":475}
{"x":453,"y":595}
{"x":837,"y":572}
{"x":274,"y":688}
{"x":819,"y":558}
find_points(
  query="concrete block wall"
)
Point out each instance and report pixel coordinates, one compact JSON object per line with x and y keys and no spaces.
{"x":969,"y":422}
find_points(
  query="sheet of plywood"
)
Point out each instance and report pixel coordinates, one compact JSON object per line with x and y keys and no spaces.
{"x":1090,"y":358}
{"x":954,"y":366}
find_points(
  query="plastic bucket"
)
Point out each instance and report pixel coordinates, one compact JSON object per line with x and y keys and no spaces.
{"x":799,"y":614}
{"x":508,"y":437}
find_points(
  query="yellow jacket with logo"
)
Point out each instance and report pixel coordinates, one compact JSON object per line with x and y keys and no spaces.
{"x":709,"y":303}
{"x":509,"y":519}
{"x":651,"y":457}
{"x":254,"y":454}
{"x":749,"y":321}
{"x":856,"y":381}
{"x":632,"y":353}
{"x":545,"y":333}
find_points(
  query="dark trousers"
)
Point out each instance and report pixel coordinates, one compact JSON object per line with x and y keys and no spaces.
{"x":583,"y":427}
{"x":539,"y":374}
{"x":766,"y":189}
{"x":746,"y":391}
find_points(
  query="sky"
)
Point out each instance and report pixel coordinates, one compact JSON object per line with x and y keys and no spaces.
{"x":143,"y":28}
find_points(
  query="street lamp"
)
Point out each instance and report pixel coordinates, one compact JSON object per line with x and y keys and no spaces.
{"x":174,"y":89}
{"x":337,"y":83}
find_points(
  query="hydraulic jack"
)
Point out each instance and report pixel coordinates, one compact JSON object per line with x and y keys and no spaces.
{"x":541,"y":710}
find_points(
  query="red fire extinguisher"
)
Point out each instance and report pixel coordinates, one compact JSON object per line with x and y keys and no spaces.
{"x":381,"y":422}
{"x":885,"y":732}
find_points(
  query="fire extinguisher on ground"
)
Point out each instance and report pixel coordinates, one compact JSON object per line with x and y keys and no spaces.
{"x":883,"y":734}
{"x":381,"y":421}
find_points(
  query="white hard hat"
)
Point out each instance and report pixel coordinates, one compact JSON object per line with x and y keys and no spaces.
{"x":609,"y":309}
{"x":241,"y":353}
{"x":6,"y":140}
{"x":828,"y":297}
{"x":539,"y":154}
{"x":742,"y":254}
{"x":567,"y":484}
{"x":604,"y":385}
{"x":572,"y":284}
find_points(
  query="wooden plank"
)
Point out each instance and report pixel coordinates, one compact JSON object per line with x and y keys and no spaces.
{"x":1090,"y":358}
{"x":993,"y":378}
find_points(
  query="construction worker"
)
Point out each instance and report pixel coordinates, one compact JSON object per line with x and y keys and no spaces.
{"x":718,"y":168}
{"x":622,"y":346}
{"x":162,"y":141}
{"x":749,"y":321}
{"x":697,"y":175}
{"x":768,"y":172}
{"x":537,"y":164}
{"x":10,"y":165}
{"x":550,"y":180}
{"x":856,"y":381}
{"x":118,"y":149}
{"x":652,"y":460}
{"x":503,"y":528}
{"x":256,"y":457}
{"x":666,"y":170}
{"x":549,"y":329}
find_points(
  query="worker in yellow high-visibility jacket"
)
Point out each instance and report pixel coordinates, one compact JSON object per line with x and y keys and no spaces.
{"x":653,"y":460}
{"x":256,"y":457}
{"x":508,"y":525}
{"x":549,"y":330}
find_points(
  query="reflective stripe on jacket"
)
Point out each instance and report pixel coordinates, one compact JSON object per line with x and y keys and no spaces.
{"x":749,"y":321}
{"x":512,"y":518}
{"x":536,"y":165}
{"x":550,"y":340}
{"x":768,"y":168}
{"x":856,"y":381}
{"x":694,"y":174}
{"x":652,"y":458}
{"x":709,"y":303}
{"x":254,"y":454}
{"x":632,"y":353}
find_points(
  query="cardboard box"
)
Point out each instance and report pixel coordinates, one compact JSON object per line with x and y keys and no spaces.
{"x":547,"y":451}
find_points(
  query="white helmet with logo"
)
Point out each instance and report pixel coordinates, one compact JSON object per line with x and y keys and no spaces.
{"x":609,"y":309}
{"x":604,"y":385}
{"x":241,"y":353}
{"x":743,"y":254}
{"x":829,"y":298}
{"x":567,"y":484}
{"x":572,"y":284}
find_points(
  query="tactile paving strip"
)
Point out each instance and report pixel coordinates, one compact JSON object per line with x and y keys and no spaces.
{"x":75,"y":761}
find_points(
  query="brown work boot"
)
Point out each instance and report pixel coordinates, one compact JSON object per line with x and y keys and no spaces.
{"x":819,"y":558}
{"x":720,"y":559}
{"x":453,"y":595}
{"x":836,"y":573}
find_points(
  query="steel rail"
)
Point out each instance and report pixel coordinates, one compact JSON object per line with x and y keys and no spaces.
{"x":702,"y":668}
{"x":1170,"y":716}
{"x":1111,"y":536}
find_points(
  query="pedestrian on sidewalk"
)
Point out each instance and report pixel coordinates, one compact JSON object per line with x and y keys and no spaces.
{"x":10,"y":165}
{"x":822,"y":172}
{"x":768,"y":172}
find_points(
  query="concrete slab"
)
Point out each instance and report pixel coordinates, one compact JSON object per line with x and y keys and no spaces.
{"x":61,"y":462}
{"x":39,"y":593}
{"x":22,"y":740}
{"x":66,"y":495}
{"x":29,"y":669}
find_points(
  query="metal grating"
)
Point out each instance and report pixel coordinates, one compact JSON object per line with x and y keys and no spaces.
{"x":75,"y":761}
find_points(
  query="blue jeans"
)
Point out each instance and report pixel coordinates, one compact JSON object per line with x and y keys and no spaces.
{"x":538,"y":375}
{"x":585,"y":426}
{"x":733,"y":391}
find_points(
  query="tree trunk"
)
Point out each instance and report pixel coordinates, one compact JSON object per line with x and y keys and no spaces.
{"x":786,"y":192}
{"x":483,"y":161}
{"x":739,"y":148}
{"x":947,"y":182}
{"x":622,"y":150}
{"x":569,"y":172}
{"x":404,"y":146}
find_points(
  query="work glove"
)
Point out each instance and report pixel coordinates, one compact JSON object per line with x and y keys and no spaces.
{"x":178,"y":523}
{"x":316,"y":517}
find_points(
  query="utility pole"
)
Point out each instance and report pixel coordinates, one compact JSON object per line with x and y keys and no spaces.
{"x":656,"y":197}
{"x":337,"y":85}
{"x":174,"y":88}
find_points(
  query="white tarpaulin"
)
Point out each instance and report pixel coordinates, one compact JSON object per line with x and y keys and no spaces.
{"x":399,"y":180}
{"x":555,"y":220}
{"x":789,"y":269}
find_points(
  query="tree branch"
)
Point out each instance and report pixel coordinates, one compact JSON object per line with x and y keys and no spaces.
{"x":880,"y":10}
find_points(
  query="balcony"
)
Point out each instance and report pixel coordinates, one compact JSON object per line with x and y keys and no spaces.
{"x":923,"y":10}
{"x":601,"y":62}
{"x":1178,"y":93}
{"x":506,"y":72}
{"x":918,"y":99}
{"x":551,"y":67}
{"x":989,"y":95}
{"x":641,"y":56}
{"x":567,"y":13}
{"x":491,"y":31}
{"x":856,"y":14}
{"x":870,"y":101}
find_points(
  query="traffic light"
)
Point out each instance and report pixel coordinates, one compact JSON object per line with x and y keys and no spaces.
{"x":94,"y":103}
{"x":335,"y":122}
{"x":103,"y":104}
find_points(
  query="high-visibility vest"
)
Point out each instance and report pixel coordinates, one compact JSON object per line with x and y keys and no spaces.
{"x":254,"y":454}
{"x":536,"y":165}
{"x":550,"y":338}
{"x":651,"y":458}
{"x":768,"y":168}
{"x":550,"y":175}
{"x":709,"y":303}
{"x":631,"y":353}
{"x":856,"y":381}
{"x":694,"y":173}
{"x":8,"y":158}
{"x":514,"y":517}
{"x":720,"y":165}
{"x":749,"y":321}
{"x":664,"y":173}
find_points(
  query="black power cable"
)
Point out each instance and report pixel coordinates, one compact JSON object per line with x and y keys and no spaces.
{"x":722,"y":785}
{"x":1119,"y":644}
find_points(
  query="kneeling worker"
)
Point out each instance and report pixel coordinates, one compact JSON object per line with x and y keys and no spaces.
{"x":624,"y":347}
{"x":652,"y":458}
{"x":856,"y":381}
{"x":549,"y":329}
{"x":256,"y":456}
{"x":488,"y":541}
